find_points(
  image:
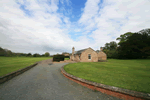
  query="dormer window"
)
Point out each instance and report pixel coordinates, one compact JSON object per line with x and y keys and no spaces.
{"x":89,"y":56}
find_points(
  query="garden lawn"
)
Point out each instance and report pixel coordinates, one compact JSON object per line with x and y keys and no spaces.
{"x":127,"y":74}
{"x":66,"y":58}
{"x":11,"y":64}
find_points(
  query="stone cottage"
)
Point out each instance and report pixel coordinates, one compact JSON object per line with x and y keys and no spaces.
{"x":88,"y":55}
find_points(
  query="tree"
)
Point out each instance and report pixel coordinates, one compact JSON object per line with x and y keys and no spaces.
{"x":145,"y":31}
{"x":107,"y":46}
{"x":29,"y":55}
{"x":110,"y":49}
{"x":36,"y":55}
{"x":2,"y":52}
{"x":47,"y":54}
{"x":136,"y":46}
{"x":124,"y":37}
{"x":145,"y":41}
{"x":9,"y":53}
{"x":113,"y":45}
{"x":43,"y":55}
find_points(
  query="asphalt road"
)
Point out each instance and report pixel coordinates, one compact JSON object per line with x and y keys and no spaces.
{"x":45,"y":82}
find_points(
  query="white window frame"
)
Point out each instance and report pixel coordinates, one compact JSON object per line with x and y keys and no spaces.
{"x":90,"y":56}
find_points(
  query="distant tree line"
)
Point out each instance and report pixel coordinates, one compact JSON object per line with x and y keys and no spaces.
{"x":131,"y":46}
{"x":9,"y":53}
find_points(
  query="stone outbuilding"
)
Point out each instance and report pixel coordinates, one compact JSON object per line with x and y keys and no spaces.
{"x":88,"y":55}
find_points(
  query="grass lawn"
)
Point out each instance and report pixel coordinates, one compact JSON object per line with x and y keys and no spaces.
{"x":128,"y":74}
{"x":11,"y":64}
{"x":66,"y":58}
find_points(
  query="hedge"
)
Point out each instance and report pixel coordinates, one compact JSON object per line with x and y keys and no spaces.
{"x":67,"y":57}
{"x":58,"y":58}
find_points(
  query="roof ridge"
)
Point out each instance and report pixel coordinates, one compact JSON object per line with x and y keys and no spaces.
{"x":82,"y":49}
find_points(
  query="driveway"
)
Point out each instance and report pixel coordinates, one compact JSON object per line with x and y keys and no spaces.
{"x":45,"y":82}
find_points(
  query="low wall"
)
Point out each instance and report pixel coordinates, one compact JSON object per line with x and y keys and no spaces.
{"x":110,"y":90}
{"x":65,"y":61}
{"x":13,"y":74}
{"x":102,"y":61}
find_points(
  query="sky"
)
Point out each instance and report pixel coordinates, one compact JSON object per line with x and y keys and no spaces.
{"x":55,"y":26}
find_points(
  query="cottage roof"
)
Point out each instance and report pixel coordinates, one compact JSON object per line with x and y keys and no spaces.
{"x":97,"y":51}
{"x":65,"y":53}
{"x":80,"y":51}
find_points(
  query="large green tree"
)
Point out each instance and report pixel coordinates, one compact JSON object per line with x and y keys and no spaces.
{"x":111,"y":46}
{"x":110,"y":49}
{"x":124,"y":37}
{"x":2,"y":52}
{"x":136,"y":46}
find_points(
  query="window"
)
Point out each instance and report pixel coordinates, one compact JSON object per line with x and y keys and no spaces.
{"x":79,"y":57}
{"x":89,"y":56}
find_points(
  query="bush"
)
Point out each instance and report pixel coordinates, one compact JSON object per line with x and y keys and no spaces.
{"x":47,"y":54}
{"x":36,"y":55}
{"x":29,"y":55}
{"x":67,"y":57}
{"x":58,"y":58}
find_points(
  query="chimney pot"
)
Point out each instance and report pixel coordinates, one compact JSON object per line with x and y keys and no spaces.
{"x":73,"y":51}
{"x":101,"y":48}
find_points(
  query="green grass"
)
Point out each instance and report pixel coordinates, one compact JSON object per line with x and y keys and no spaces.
{"x":66,"y":58}
{"x":11,"y":64}
{"x":128,"y":74}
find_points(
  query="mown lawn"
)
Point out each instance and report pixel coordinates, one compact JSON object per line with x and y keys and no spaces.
{"x":128,"y":74}
{"x":66,"y":59}
{"x":11,"y":64}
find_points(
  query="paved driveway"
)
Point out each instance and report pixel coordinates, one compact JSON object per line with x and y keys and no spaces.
{"x":45,"y":82}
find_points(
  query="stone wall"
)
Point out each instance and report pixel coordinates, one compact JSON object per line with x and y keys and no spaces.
{"x":15,"y":73}
{"x":77,"y":58}
{"x":102,"y":56}
{"x":121,"y":93}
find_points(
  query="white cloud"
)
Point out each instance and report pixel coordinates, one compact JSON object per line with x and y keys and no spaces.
{"x":21,"y":33}
{"x":41,"y":28}
{"x":113,"y":17}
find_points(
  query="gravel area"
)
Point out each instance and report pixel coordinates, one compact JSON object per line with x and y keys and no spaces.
{"x":46,"y":82}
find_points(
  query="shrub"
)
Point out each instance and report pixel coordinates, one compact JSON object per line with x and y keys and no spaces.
{"x":67,"y":57}
{"x":58,"y":58}
{"x":29,"y":55}
{"x":36,"y":55}
{"x":47,"y":54}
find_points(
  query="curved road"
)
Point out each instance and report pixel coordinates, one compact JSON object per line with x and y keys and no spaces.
{"x":45,"y":82}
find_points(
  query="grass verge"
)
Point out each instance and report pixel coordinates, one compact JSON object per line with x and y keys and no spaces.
{"x":66,"y":58}
{"x":11,"y":64}
{"x":128,"y":74}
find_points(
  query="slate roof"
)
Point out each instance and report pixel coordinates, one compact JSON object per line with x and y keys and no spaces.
{"x":80,"y":51}
{"x":97,"y":51}
{"x":65,"y":53}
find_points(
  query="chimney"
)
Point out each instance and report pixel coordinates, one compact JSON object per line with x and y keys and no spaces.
{"x":101,"y":48}
{"x":73,"y":51}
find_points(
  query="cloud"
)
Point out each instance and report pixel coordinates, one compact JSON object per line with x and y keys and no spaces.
{"x":112,"y":18}
{"x":38,"y":26}
{"x":20,"y":32}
